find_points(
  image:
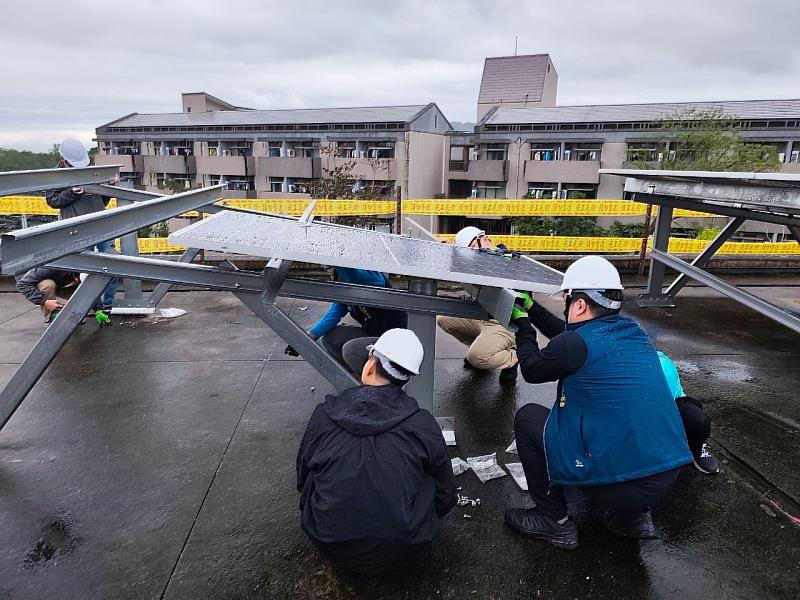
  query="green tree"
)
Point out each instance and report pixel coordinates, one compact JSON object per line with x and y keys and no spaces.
{"x":708,"y":140}
{"x":24,"y":160}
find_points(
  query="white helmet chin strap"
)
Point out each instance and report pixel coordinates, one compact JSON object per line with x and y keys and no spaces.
{"x":600,"y":299}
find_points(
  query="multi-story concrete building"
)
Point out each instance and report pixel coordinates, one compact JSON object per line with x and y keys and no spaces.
{"x":522,"y":144}
{"x":269,"y":153}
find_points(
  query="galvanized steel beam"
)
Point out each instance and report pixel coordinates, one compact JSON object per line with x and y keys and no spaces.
{"x":37,"y":360}
{"x":162,"y":288}
{"x":27,"y":248}
{"x":763,"y":307}
{"x":173,"y":272}
{"x":719,"y":209}
{"x":295,"y":336}
{"x":16,"y":182}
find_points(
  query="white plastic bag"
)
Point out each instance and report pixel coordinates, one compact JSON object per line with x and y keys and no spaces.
{"x":512,"y":449}
{"x":486,"y":467}
{"x":518,"y":473}
{"x":459,"y":466}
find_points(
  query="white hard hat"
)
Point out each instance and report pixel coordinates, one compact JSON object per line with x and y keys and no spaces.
{"x":465,"y":237}
{"x":72,"y":151}
{"x":591,"y":273}
{"x":401,"y":347}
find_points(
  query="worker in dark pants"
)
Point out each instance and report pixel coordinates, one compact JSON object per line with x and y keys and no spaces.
{"x":74,"y":202}
{"x":695,"y":421}
{"x":372,"y":322}
{"x":373,"y":470}
{"x":614,"y":430}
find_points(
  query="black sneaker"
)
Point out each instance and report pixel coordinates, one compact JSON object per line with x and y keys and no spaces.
{"x":509,"y":375}
{"x":640,"y":527}
{"x":531,"y":522}
{"x":706,"y":463}
{"x":470,"y":367}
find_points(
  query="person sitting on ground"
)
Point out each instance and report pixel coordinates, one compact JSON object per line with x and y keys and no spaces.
{"x":42,"y":286}
{"x":614,"y":430}
{"x":347,"y":343}
{"x":373,"y":470}
{"x":491,"y":346}
{"x":695,"y":421}
{"x":75,"y":202}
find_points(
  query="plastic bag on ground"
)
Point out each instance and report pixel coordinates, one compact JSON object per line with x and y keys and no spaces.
{"x":486,"y":467}
{"x":170,"y":313}
{"x":512,"y":449}
{"x":518,"y":473}
{"x":459,"y":466}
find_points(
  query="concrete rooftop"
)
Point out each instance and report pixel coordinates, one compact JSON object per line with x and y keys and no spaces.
{"x":156,"y":460}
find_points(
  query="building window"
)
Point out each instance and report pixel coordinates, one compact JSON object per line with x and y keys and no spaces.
{"x":435,"y":120}
{"x":645,"y":151}
{"x":541,"y":151}
{"x":489,"y":189}
{"x":543,"y":190}
{"x":458,"y":158}
{"x":582,"y":152}
{"x":578,"y":191}
{"x":275,"y":149}
{"x":379,"y":150}
{"x":496,"y":151}
{"x":240,"y":185}
{"x":346,"y":149}
{"x":276,"y":184}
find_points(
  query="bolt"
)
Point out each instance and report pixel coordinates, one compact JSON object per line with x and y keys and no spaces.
{"x":237,"y":285}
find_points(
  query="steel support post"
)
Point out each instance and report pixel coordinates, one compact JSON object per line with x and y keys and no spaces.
{"x":158,"y":293}
{"x":702,"y":259}
{"x":795,"y":231}
{"x":763,"y":307}
{"x":655,"y":280}
{"x":28,"y":248}
{"x":295,"y":336}
{"x":130,"y":247}
{"x":15,"y":182}
{"x":37,"y":360}
{"x":421,"y":387}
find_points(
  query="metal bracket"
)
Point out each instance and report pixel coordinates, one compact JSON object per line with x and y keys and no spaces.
{"x":40,"y":356}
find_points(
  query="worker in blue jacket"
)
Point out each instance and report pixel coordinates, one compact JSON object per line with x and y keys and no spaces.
{"x":614,"y":430}
{"x":347,"y":343}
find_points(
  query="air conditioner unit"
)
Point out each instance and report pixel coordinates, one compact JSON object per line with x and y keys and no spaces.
{"x":362,"y":154}
{"x":567,"y":154}
{"x":781,"y":156}
{"x":795,"y":155}
{"x":292,"y":189}
{"x":226,"y":153}
{"x":290,"y":153}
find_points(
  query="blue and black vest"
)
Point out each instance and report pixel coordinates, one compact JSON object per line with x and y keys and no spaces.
{"x":616,"y":419}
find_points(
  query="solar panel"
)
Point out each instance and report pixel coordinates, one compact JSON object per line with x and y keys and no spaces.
{"x":322,"y":243}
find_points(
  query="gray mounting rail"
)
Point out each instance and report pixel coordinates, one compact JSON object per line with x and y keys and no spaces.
{"x":766,"y":197}
{"x":15,"y":182}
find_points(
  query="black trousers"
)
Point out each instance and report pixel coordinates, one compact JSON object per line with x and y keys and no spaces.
{"x":627,"y":499}
{"x":695,"y":422}
{"x":370,"y":556}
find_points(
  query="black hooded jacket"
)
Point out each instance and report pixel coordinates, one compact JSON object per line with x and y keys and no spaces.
{"x":373,"y":466}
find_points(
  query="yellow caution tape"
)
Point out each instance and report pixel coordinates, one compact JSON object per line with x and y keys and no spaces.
{"x":542,"y":243}
{"x":34,"y":205}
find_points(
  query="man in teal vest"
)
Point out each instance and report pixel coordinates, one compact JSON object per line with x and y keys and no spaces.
{"x":614,"y":430}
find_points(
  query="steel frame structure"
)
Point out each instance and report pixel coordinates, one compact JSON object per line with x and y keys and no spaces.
{"x":64,"y":244}
{"x":766,"y":197}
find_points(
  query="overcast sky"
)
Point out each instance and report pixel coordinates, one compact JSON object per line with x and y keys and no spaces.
{"x":69,"y":67}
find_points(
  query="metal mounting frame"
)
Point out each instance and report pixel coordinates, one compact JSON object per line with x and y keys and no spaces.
{"x":766,"y":197}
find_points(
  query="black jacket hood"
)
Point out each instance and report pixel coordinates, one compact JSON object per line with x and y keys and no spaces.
{"x":370,"y":410}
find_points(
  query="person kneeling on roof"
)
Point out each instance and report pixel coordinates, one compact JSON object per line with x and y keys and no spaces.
{"x":373,"y":471}
{"x":614,"y":430}
{"x":491,"y":346}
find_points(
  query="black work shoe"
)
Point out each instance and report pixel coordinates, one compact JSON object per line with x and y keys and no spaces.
{"x":706,"y":463}
{"x":470,"y":367}
{"x":639,"y":527}
{"x":509,"y":375}
{"x":531,"y":522}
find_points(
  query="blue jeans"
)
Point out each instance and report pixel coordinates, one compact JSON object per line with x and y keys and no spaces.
{"x":111,"y":289}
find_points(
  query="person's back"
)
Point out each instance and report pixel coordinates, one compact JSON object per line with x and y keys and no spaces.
{"x":374,"y":476}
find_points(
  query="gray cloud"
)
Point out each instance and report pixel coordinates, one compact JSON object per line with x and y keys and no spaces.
{"x":80,"y":64}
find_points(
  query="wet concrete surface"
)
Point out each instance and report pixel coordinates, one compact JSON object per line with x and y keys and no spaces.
{"x":158,"y":461}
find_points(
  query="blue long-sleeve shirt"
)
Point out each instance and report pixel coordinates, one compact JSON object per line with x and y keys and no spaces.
{"x":337,"y":311}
